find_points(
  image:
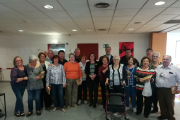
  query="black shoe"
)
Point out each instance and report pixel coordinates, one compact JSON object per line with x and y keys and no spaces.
{"x":22,"y":114}
{"x":137,"y":113}
{"x":90,"y":104}
{"x":29,"y":114}
{"x":94,"y":106}
{"x":161,"y":118}
{"x":38,"y":113}
{"x":154,"y":111}
{"x":17,"y":114}
{"x":104,"y":106}
{"x":146,"y":116}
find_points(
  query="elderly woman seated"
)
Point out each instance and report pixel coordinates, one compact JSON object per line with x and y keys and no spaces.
{"x":116,"y":76}
{"x":34,"y":85}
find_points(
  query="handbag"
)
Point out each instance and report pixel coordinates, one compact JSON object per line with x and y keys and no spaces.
{"x":147,"y":91}
{"x":48,"y":90}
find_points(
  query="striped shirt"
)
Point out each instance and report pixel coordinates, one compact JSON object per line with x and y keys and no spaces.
{"x":92,"y":68}
{"x":140,"y":73}
{"x":55,"y":75}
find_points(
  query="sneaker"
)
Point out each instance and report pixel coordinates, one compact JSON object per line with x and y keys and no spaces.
{"x":85,"y":102}
{"x":134,"y":110}
{"x":79,"y":102}
{"x":127,"y":108}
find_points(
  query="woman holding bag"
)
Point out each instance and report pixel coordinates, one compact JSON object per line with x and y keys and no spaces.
{"x":142,"y":72}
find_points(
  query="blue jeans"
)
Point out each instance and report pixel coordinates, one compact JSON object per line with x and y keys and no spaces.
{"x":19,"y":92}
{"x":57,"y":89}
{"x":131,"y":91}
{"x":34,"y":94}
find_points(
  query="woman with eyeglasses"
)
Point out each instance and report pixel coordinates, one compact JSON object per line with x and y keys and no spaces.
{"x":91,"y":71}
{"x":155,"y":62}
{"x":73,"y":77}
{"x":19,"y":79}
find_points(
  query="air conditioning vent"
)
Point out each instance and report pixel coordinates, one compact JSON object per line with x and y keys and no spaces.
{"x":172,"y":22}
{"x":101,"y":29}
{"x":102,"y":5}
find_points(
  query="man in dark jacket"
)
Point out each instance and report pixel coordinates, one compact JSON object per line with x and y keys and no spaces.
{"x":124,"y":59}
{"x":108,"y":54}
{"x":77,"y":55}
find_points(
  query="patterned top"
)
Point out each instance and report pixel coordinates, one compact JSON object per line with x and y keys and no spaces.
{"x":17,"y":73}
{"x":116,"y":77}
{"x":140,"y":73}
{"x":132,"y":80}
{"x":92,"y":68}
{"x":55,"y":75}
{"x":34,"y":84}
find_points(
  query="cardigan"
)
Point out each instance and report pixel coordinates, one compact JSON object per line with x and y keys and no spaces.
{"x":87,"y":71}
{"x":132,"y":76}
{"x":110,"y":74}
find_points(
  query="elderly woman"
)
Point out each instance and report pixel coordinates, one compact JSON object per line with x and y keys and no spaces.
{"x":116,"y":76}
{"x":44,"y":95}
{"x":155,"y":62}
{"x":142,"y":72}
{"x":34,"y":85}
{"x":91,"y":71}
{"x":83,"y":86}
{"x":56,"y":78}
{"x":131,"y":83}
{"x":102,"y":75}
{"x":73,"y":78}
{"x":18,"y":83}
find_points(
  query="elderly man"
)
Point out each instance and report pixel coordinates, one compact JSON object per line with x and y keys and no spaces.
{"x":167,"y":75}
{"x":50,"y":55}
{"x":108,"y":54}
{"x":77,"y":55}
{"x":149,"y":53}
{"x":124,"y":59}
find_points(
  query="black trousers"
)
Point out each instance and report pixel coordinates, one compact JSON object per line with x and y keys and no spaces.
{"x":45,"y":98}
{"x":82,"y":87}
{"x":93,"y":88}
{"x":155,"y":99}
{"x":103,"y":92}
{"x":147,"y":106}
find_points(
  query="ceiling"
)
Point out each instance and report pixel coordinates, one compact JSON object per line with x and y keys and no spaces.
{"x":34,"y":19}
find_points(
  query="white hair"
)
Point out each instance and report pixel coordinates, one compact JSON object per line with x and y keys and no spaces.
{"x":168,"y":56}
{"x":32,"y":57}
{"x":116,"y":56}
{"x":77,"y":49}
{"x":156,"y":53}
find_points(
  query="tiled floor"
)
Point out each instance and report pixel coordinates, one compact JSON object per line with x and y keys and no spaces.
{"x":83,"y":112}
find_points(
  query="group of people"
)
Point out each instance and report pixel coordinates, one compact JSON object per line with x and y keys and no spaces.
{"x":67,"y":80}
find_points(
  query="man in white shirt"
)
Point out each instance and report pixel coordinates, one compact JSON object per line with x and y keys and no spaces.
{"x":167,"y":75}
{"x":50,"y":55}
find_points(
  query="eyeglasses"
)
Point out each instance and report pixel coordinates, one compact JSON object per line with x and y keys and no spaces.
{"x":166,"y":59}
{"x":71,"y":57}
{"x":18,"y":60}
{"x":155,"y":56}
{"x":116,"y":59}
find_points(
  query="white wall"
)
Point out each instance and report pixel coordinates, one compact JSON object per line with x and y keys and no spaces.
{"x":141,"y":43}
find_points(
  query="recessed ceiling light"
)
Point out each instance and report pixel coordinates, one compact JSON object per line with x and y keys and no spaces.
{"x":74,"y":30}
{"x":131,"y":29}
{"x":21,"y":30}
{"x":88,"y":30}
{"x":48,"y":7}
{"x":160,"y":3}
{"x":137,"y":22}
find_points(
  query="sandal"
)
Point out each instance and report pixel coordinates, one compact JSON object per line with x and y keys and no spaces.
{"x":64,"y":110}
{"x":29,"y":114}
{"x":68,"y":107}
{"x":75,"y":106}
{"x":22,"y":114}
{"x":54,"y":109}
{"x":17,"y":114}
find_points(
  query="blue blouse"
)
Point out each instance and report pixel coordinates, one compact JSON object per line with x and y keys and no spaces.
{"x":17,"y":73}
{"x":132,"y":80}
